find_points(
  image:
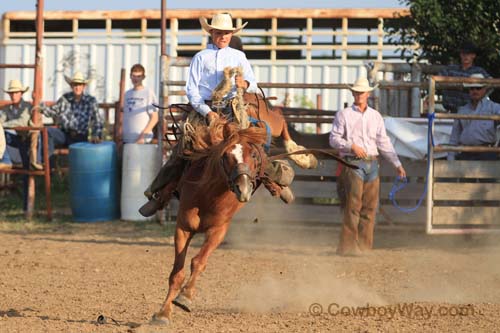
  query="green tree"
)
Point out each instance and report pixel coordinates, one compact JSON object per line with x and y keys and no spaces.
{"x":439,"y":27}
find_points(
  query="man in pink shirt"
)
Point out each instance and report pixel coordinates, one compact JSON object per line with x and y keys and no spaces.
{"x":358,"y":132}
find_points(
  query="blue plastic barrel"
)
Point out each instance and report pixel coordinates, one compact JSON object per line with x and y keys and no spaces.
{"x":93,"y":181}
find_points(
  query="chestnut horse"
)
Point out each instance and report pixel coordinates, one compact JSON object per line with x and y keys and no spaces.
{"x":226,"y":165}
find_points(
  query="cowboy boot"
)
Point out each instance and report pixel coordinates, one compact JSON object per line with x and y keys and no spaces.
{"x":158,"y":200}
{"x":33,"y":151}
{"x":280,"y":175}
{"x":160,"y":191}
{"x":284,"y":192}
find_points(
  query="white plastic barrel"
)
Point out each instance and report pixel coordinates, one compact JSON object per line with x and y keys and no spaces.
{"x":141,"y":163}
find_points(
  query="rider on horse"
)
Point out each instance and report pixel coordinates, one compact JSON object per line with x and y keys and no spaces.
{"x":204,"y":81}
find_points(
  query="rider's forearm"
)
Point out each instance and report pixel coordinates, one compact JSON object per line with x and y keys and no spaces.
{"x":202,"y":109}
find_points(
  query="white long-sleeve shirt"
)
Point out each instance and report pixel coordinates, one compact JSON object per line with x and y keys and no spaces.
{"x":365,"y":129}
{"x":207,"y":70}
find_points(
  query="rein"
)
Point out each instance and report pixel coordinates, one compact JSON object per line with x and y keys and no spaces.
{"x":175,"y":125}
{"x":314,"y":151}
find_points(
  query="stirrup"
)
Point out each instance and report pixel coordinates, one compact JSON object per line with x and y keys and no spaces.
{"x":151,"y":207}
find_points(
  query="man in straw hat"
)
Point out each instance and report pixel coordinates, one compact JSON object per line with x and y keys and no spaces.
{"x":358,"y":132}
{"x":75,"y":113}
{"x":205,"y":73}
{"x":17,"y":114}
{"x":475,"y":132}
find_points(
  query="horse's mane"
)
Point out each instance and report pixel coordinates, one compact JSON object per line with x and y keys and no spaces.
{"x":211,"y":143}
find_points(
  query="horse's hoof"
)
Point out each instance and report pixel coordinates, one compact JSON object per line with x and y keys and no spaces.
{"x":183,"y":302}
{"x":159,"y":320}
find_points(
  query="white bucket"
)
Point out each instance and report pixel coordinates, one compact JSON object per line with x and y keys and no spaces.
{"x":141,"y":163}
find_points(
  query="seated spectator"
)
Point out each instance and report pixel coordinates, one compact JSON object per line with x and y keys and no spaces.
{"x":454,"y":99}
{"x":17,"y":114}
{"x":75,"y":113}
{"x":139,"y":115}
{"x":475,"y":132}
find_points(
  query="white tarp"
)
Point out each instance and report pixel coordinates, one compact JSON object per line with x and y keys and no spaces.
{"x":409,"y":136}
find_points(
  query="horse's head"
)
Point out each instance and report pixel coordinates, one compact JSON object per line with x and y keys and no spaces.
{"x":232,"y":157}
{"x":243,"y":163}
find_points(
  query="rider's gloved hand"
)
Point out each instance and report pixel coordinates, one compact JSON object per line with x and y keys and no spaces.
{"x":240,"y":82}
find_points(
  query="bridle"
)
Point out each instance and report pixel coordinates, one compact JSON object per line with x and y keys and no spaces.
{"x":256,"y":176}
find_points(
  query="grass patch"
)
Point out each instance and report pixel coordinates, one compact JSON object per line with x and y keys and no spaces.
{"x":12,"y":216}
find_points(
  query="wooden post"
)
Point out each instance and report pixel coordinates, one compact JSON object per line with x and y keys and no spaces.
{"x":319,"y":104}
{"x":416,"y":76}
{"x":117,"y":135}
{"x":163,"y":95}
{"x":37,"y":95}
{"x":46,"y":171}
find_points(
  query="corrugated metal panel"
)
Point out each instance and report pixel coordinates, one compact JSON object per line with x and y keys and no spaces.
{"x":103,"y":59}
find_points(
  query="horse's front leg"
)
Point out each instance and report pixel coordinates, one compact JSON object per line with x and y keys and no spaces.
{"x":213,"y":238}
{"x":182,"y":240}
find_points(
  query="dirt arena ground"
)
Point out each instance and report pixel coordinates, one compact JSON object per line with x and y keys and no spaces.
{"x":265,"y":278}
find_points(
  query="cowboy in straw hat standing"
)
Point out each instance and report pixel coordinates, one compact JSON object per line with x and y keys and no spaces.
{"x":358,"y":132}
{"x":76,"y":114}
{"x":18,"y":113}
{"x":475,"y":132}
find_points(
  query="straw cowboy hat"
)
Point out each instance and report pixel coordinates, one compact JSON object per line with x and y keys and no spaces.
{"x":221,"y":21}
{"x":77,"y":78}
{"x":15,"y":86}
{"x":362,"y":85}
{"x":475,"y":85}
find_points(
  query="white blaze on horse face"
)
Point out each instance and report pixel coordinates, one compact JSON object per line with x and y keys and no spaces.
{"x":238,"y":153}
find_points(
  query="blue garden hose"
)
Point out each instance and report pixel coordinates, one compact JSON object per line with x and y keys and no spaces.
{"x":401,"y":182}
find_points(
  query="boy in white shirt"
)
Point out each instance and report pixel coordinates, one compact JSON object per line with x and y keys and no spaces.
{"x":139,"y":114}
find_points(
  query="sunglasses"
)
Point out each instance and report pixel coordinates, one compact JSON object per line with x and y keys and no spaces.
{"x":475,"y":88}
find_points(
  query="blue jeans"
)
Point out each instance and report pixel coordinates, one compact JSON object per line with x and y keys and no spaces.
{"x":16,"y":150}
{"x":368,"y":170}
{"x":60,"y":138}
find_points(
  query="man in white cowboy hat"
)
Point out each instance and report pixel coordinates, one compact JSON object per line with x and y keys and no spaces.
{"x":16,"y":114}
{"x":76,"y":114}
{"x":358,"y":132}
{"x":205,"y":73}
{"x":207,"y":66}
{"x":475,"y":132}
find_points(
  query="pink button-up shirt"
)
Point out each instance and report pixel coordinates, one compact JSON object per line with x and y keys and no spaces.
{"x":365,"y":129}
